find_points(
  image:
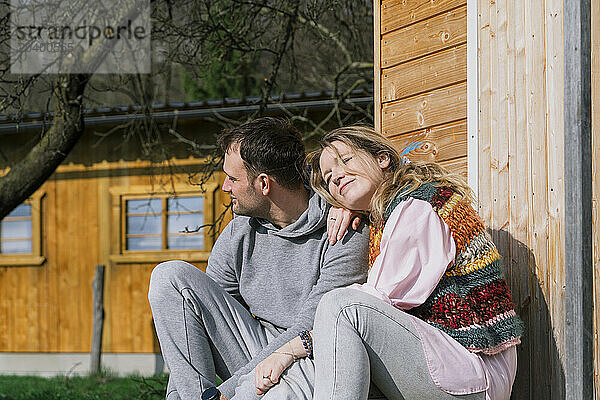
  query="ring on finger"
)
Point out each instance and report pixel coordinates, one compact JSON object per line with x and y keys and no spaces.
{"x":333,"y":219}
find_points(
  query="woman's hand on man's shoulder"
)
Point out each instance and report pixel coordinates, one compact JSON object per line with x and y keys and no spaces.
{"x":338,"y":222}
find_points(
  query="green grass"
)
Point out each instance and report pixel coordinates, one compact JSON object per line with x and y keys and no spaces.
{"x":98,"y":387}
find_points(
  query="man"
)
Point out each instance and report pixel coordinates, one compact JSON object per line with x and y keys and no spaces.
{"x":265,"y":275}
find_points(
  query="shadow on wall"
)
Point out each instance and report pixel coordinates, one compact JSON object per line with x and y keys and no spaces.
{"x":540,"y":374}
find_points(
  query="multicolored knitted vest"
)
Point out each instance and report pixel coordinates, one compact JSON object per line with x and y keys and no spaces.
{"x":472,"y":302}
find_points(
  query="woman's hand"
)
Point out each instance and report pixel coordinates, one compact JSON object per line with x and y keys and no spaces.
{"x":270,"y":369}
{"x":338,"y":221}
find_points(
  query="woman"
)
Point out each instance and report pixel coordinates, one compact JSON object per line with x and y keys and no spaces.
{"x":435,"y":319}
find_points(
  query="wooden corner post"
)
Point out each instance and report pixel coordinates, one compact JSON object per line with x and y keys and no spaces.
{"x":579,"y":316}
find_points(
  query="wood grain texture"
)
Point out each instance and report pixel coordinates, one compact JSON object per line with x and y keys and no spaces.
{"x":51,"y":236}
{"x":441,"y":143}
{"x":520,"y":257}
{"x":377,"y":65}
{"x":425,"y":111}
{"x":440,"y":32}
{"x":4,"y":312}
{"x":521,"y":195}
{"x":424,"y":74}
{"x":458,"y":166}
{"x":555,"y":65}
{"x":485,"y":95}
{"x":538,"y":196}
{"x":397,"y":14}
{"x":499,"y":125}
{"x":521,"y":190}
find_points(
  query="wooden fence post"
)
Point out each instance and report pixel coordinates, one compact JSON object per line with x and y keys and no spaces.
{"x":98,"y":306}
{"x":579,"y":276}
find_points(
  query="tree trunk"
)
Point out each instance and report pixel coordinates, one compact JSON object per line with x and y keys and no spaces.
{"x":25,"y":177}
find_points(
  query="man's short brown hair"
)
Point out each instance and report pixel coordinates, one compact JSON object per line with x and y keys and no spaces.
{"x":269,"y":145}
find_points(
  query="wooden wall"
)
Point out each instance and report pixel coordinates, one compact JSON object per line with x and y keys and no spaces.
{"x":521,"y":191}
{"x":48,"y":308}
{"x":420,"y":81}
{"x":596,"y":184}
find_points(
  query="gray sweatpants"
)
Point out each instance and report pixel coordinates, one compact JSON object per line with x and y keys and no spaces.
{"x":204,"y":332}
{"x":358,"y":337}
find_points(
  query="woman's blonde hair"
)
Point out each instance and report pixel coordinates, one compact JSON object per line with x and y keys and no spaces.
{"x":401,"y":176}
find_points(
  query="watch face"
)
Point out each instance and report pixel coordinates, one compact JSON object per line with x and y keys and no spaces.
{"x":211,"y":394}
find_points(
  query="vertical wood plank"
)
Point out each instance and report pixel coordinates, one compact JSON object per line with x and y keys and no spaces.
{"x":537,"y":193}
{"x":67,"y":302}
{"x":138,"y":311}
{"x":499,"y":148}
{"x":142,"y":318}
{"x":4,"y":338}
{"x":51,"y":245}
{"x":519,"y":209}
{"x":555,"y":189}
{"x":19,"y":331}
{"x":485,"y":59}
{"x":377,"y":65}
{"x":43,"y":282}
{"x":87,"y":258}
{"x":472,"y":68}
{"x":33,"y":306}
{"x":104,"y":242}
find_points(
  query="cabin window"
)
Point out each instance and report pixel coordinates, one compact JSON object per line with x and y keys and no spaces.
{"x":154,"y":227}
{"x":163,"y":223}
{"x":21,"y":233}
{"x":16,"y":231}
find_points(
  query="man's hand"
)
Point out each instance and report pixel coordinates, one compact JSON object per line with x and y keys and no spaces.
{"x":223,"y":397}
{"x":270,"y":369}
{"x":338,"y":221}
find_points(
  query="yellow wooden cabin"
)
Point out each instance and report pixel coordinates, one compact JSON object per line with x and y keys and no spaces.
{"x":480,"y":85}
{"x":110,"y":204}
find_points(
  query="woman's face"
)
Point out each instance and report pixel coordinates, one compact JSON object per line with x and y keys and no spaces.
{"x":353,"y":190}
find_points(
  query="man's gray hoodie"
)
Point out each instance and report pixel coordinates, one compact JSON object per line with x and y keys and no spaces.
{"x":281,"y":274}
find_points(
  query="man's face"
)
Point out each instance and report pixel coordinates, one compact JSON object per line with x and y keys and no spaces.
{"x":246,"y":199}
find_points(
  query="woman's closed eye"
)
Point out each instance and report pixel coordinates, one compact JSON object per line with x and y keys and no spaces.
{"x":345,"y":161}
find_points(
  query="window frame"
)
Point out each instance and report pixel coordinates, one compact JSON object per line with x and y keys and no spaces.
{"x":35,"y":258}
{"x":119,"y":253}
